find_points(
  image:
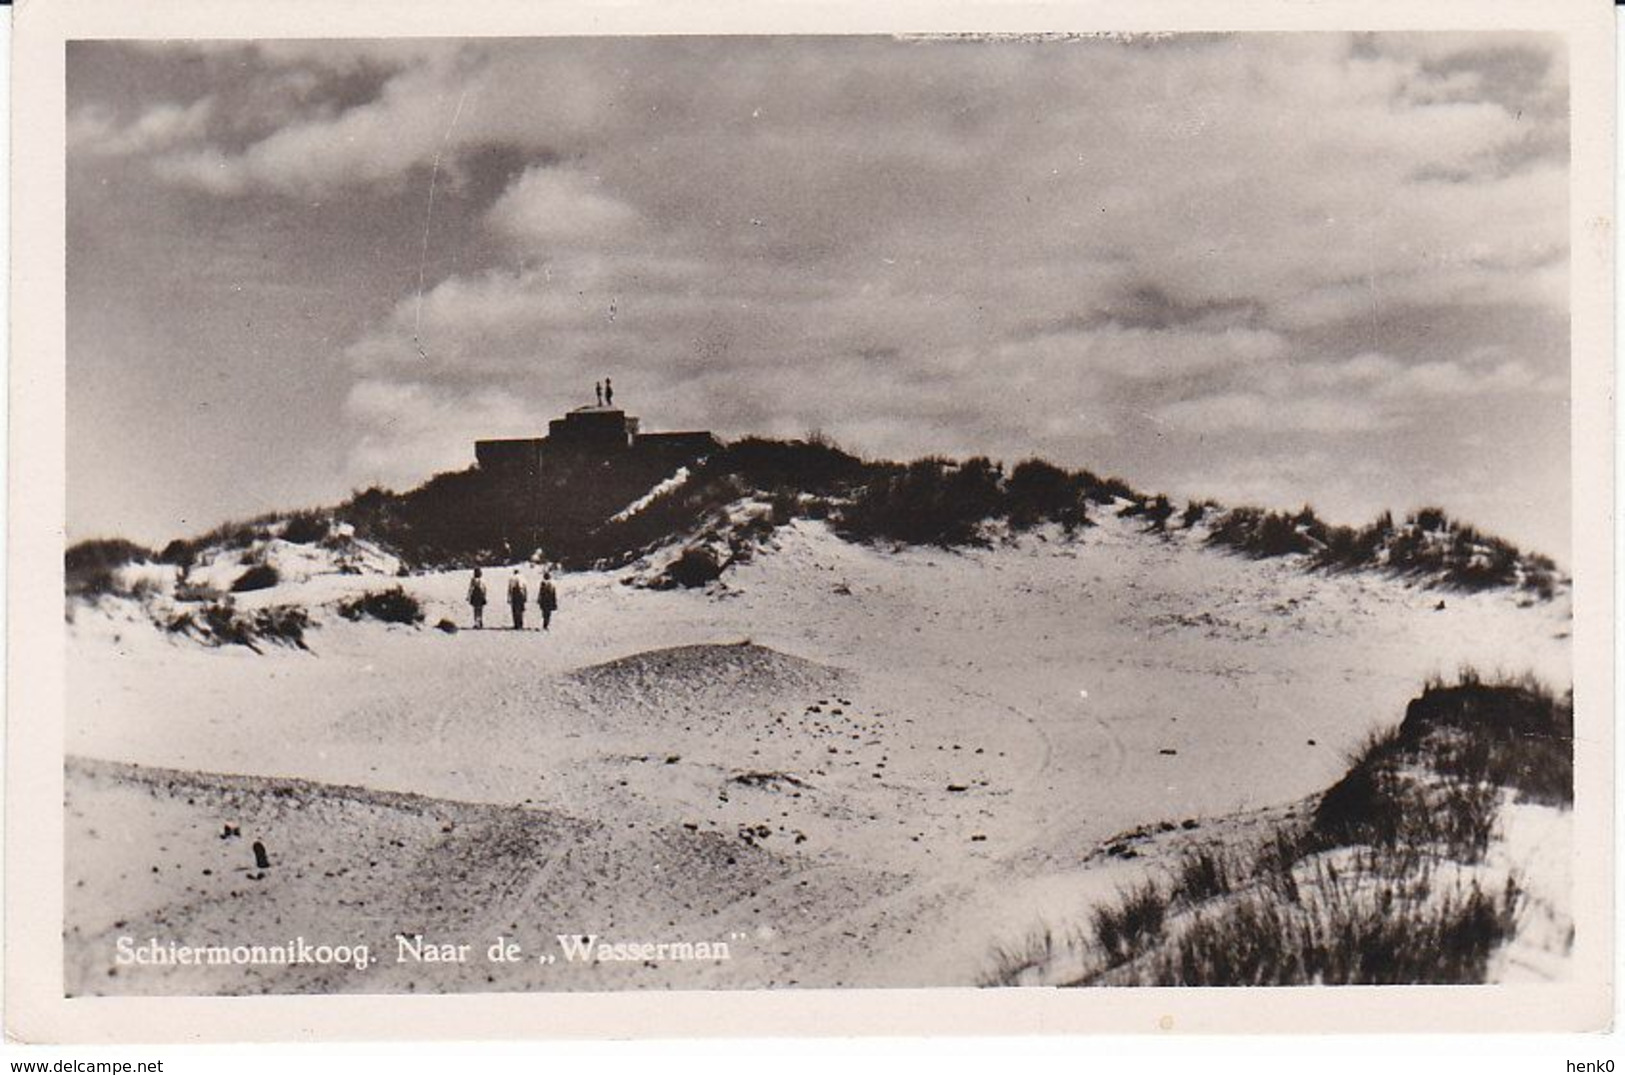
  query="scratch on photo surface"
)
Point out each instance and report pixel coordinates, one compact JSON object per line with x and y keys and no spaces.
{"x":428,"y":220}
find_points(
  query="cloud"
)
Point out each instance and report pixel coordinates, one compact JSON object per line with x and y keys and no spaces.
{"x":376,"y":142}
{"x":1256,"y":412}
{"x":548,"y":204}
{"x":93,"y":130}
{"x":1098,"y":250}
{"x":1286,"y":167}
{"x":1339,"y":486}
{"x":1367,"y":392}
{"x":1147,"y":354}
{"x":414,"y":429}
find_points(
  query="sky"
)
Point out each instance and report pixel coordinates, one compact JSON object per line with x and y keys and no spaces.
{"x":1265,"y":268}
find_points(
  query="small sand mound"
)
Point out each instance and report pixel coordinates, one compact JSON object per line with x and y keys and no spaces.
{"x":725,"y":671}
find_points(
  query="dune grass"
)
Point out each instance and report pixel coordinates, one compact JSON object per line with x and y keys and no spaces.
{"x":1377,"y":884}
{"x":1123,"y":929}
{"x":1035,"y":951}
{"x":222,"y":624}
{"x":460,"y":519}
{"x":1384,"y":934}
{"x":1428,"y":546}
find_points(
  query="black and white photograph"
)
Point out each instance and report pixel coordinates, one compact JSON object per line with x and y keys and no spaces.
{"x":772,"y":512}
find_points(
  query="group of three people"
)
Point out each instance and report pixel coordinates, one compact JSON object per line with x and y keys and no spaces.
{"x":547,"y":598}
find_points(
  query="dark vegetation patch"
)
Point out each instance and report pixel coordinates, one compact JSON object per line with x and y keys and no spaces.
{"x":1195,"y":511}
{"x":453,"y":520}
{"x":1429,"y":546}
{"x":1038,"y":492}
{"x":307,"y":528}
{"x":257,"y":577}
{"x":394,"y":605}
{"x":694,"y":567}
{"x":928,"y":502}
{"x":182,"y":552}
{"x":464,"y":518}
{"x":1513,"y":733}
{"x":104,"y":554}
{"x":90,"y":567}
{"x":1436,"y":777}
{"x":457,"y":519}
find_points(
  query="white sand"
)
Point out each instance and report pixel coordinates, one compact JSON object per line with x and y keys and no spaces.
{"x":1073,"y":689}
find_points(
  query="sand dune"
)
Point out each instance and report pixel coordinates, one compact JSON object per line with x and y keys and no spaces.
{"x":866,"y":764}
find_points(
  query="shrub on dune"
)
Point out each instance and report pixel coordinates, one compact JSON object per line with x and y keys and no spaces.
{"x":931,"y":501}
{"x":180,"y":552}
{"x":813,"y":465}
{"x":103,"y":553}
{"x":695,"y":567}
{"x":1195,"y":511}
{"x":1511,"y":733}
{"x":222,"y":624}
{"x":306,"y":528}
{"x":393,"y":605}
{"x":1039,"y":492}
{"x":1434,"y":781}
{"x":1158,"y":512}
{"x":257,"y":577}
{"x":91,"y":567}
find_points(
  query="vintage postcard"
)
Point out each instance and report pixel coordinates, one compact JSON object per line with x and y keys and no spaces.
{"x":779,"y":519}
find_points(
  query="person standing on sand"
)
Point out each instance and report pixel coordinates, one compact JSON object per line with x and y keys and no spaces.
{"x":516,"y":600}
{"x":609,"y":393}
{"x":548,"y":598}
{"x":598,"y":390}
{"x":476,"y":599}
